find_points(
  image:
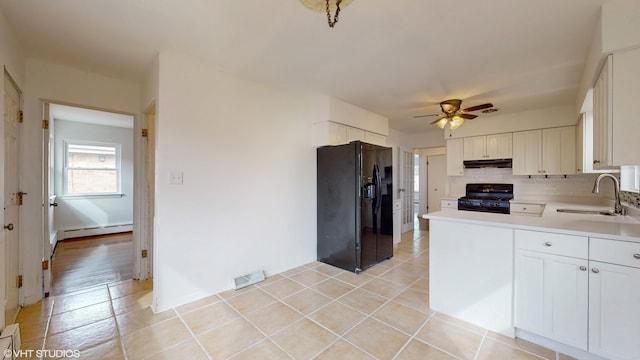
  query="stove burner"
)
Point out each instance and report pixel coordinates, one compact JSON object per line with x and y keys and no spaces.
{"x":492,"y":198}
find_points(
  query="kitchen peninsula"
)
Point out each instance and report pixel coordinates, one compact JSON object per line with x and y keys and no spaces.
{"x":563,"y":280}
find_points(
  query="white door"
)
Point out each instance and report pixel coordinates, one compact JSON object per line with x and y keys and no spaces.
{"x":407,"y":169}
{"x":436,"y":181}
{"x":149,"y":151}
{"x":12,"y":197}
{"x":48,"y":232}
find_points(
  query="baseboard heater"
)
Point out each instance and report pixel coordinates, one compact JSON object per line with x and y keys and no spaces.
{"x":94,"y":230}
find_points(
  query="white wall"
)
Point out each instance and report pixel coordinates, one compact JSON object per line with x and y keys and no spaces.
{"x":65,"y":85}
{"x":248,"y":201}
{"x":85,"y":212}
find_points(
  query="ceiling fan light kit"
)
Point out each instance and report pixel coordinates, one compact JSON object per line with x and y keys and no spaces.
{"x":331,"y":7}
{"x":454,"y":116}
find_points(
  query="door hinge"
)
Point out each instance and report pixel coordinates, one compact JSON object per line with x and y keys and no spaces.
{"x":45,"y":264}
{"x":20,"y":197}
{"x":19,"y":281}
{"x":45,"y":124}
{"x":145,"y":133}
{"x":20,"y":116}
{"x":144,"y":253}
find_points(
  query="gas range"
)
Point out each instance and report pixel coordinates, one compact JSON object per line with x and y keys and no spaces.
{"x":492,"y":198}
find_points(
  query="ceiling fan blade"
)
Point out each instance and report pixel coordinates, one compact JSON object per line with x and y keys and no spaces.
{"x":419,"y":116}
{"x":435,"y":121}
{"x":467,"y":116}
{"x":478,"y":107}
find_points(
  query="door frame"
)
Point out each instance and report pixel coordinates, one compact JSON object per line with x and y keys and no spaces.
{"x":405,"y":189}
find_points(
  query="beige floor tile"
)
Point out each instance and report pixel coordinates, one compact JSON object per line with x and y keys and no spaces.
{"x":210,"y":317}
{"x":523,"y":345}
{"x":309,"y":277}
{"x":273,"y":317}
{"x":282,"y":288}
{"x":188,"y":349}
{"x":383,"y":288}
{"x":251,"y":300}
{"x":194,"y":305}
{"x":111,"y":350}
{"x":304,"y":339}
{"x":362,"y":300}
{"x":136,"y":320}
{"x":327,"y":269}
{"x":378,"y":269}
{"x":419,"y":350}
{"x":337,"y":317}
{"x":229,"y":339}
{"x":401,"y":317}
{"x":269,"y":279}
{"x":460,"y":323}
{"x":378,"y":339}
{"x":332,"y":288}
{"x":492,"y":349}
{"x":79,"y":317}
{"x":307,"y":301}
{"x":354,"y":279}
{"x":129,"y":287}
{"x":399,"y":277}
{"x":155,"y":338}
{"x":233,"y":292}
{"x":414,"y":299}
{"x":84,"y":337}
{"x":422,"y":284}
{"x":343,"y":350}
{"x":450,"y":338}
{"x":296,"y":270}
{"x":132,"y":302}
{"x":416,"y":266}
{"x":262,"y":350}
{"x":74,"y":301}
{"x":565,"y":357}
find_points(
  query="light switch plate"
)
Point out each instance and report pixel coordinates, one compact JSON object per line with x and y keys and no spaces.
{"x":176,"y":178}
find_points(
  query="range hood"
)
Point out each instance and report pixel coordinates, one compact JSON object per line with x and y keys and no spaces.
{"x":493,"y":163}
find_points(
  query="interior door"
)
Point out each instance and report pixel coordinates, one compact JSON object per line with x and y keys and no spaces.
{"x":405,"y":189}
{"x":48,"y":231}
{"x":12,"y":197}
{"x":436,"y":180}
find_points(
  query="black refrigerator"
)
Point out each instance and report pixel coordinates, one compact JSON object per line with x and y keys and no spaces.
{"x":355,"y":205}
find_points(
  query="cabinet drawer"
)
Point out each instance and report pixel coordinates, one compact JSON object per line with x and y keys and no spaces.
{"x":615,"y":252}
{"x":449,"y":204}
{"x":526,"y":208}
{"x":558,"y":244}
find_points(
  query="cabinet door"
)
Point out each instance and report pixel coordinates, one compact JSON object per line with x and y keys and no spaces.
{"x":474,"y":148}
{"x":551,"y":294}
{"x":602,"y":117}
{"x":559,"y":151}
{"x":499,"y":146}
{"x":455,"y":167}
{"x":354,"y":134}
{"x":614,"y":311}
{"x":337,"y":134}
{"x":625,"y":146}
{"x":527,"y":154}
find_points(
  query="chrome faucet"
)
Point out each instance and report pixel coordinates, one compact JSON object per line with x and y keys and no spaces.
{"x":619,"y":209}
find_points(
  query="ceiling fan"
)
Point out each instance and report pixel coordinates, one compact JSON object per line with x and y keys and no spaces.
{"x":454,"y":115}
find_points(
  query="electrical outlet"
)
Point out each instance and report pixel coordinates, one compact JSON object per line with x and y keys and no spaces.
{"x":175,"y":177}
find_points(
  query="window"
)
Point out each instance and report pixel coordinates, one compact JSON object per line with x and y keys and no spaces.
{"x":91,"y":168}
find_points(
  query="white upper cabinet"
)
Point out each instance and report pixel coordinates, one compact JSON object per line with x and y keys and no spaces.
{"x":545,"y":152}
{"x":496,"y":146}
{"x":616,"y":105}
{"x":455,"y":166}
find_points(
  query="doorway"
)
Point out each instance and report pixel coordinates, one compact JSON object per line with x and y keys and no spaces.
{"x":90,"y":190}
{"x":10,"y":235}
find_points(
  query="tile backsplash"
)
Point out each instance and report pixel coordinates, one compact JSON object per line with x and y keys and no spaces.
{"x":574,"y":188}
{"x":631,"y":198}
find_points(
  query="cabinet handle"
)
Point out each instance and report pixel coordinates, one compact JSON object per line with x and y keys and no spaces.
{"x":583,"y":268}
{"x":548,"y":243}
{"x":524,"y":208}
{"x":595,"y":270}
{"x":636,"y":256}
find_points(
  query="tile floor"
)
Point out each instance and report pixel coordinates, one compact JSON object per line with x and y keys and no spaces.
{"x":315,"y":311}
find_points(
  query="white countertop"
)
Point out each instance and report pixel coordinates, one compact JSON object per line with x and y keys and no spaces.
{"x":612,"y":227}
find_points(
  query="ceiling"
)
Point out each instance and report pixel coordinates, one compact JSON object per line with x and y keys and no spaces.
{"x":397,"y":58}
{"x":89,"y":116}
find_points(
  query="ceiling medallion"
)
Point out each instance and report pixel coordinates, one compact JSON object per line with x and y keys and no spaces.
{"x":328,"y":6}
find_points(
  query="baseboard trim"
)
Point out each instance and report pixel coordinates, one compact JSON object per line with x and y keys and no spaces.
{"x":92,"y":231}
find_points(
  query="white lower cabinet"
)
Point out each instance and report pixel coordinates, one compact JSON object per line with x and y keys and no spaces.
{"x":551,"y":289}
{"x":589,"y":302}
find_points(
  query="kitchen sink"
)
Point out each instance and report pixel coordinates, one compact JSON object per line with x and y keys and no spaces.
{"x":588,"y":212}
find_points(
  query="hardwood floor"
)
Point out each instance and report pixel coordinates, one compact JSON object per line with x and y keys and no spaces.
{"x":86,"y":262}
